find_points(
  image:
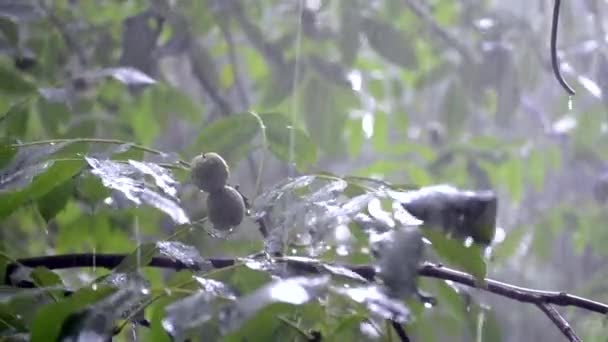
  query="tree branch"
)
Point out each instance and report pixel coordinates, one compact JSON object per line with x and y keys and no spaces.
{"x":554,"y":61}
{"x":559,"y":321}
{"x":400,"y":332}
{"x":431,"y":270}
{"x":444,"y":34}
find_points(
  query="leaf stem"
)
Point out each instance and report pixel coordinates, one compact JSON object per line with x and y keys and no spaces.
{"x":98,"y":141}
{"x":258,"y":181}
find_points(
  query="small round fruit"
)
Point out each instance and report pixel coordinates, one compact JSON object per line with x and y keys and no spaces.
{"x":225,"y":208}
{"x":209,"y":171}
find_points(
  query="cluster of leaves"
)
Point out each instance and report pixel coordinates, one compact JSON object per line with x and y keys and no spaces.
{"x":419,"y":92}
{"x":339,"y":217}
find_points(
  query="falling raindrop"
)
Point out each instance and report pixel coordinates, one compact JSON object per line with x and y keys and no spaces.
{"x":570,"y":102}
{"x":137,"y":239}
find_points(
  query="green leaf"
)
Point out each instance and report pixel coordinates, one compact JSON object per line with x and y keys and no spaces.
{"x":281,"y":83}
{"x":453,"y":252}
{"x":325,"y":109}
{"x":9,"y":29}
{"x":381,"y":131}
{"x":354,"y":136}
{"x":13,"y":83}
{"x":15,"y":120}
{"x":7,"y":151}
{"x":278,"y":131}
{"x":399,"y":262}
{"x":509,"y":246}
{"x":56,"y":174}
{"x":43,"y":277}
{"x":455,"y":107}
{"x":348,"y":329}
{"x":130,"y":180}
{"x":140,"y":257}
{"x":48,"y":321}
{"x":54,"y":115}
{"x":231,"y":136}
{"x":157,"y":332}
{"x":55,"y":200}
{"x":484,"y":324}
{"x":390,"y":43}
{"x":265,"y":326}
{"x":511,"y":174}
{"x":11,"y":321}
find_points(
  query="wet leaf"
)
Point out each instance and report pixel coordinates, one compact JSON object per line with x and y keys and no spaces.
{"x":454,"y":252}
{"x":455,"y":212}
{"x":377,"y":302}
{"x":96,"y":322}
{"x":272,"y":196}
{"x":49,"y":319}
{"x":295,"y":291}
{"x":15,"y":83}
{"x":43,"y":277}
{"x":188,"y":255}
{"x":390,"y":43}
{"x":128,"y":76}
{"x":140,"y":257}
{"x":162,"y":177}
{"x":45,"y":178}
{"x":15,"y":120}
{"x":399,"y":262}
{"x":215,"y":288}
{"x":129,"y":180}
{"x":230,"y":136}
{"x":278,"y":132}
{"x":189,"y":313}
{"x":54,"y":201}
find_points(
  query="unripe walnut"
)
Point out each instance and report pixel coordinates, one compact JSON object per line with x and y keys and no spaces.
{"x":209,"y":171}
{"x":225,"y":208}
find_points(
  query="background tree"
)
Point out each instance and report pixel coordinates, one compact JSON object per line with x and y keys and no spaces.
{"x":327,"y":113}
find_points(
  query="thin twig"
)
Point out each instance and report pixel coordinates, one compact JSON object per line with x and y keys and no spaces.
{"x":97,"y":141}
{"x":554,"y":61}
{"x":238,"y":80}
{"x":70,"y":41}
{"x":400,"y":332}
{"x":559,"y":321}
{"x":224,"y":106}
{"x":445,"y":35}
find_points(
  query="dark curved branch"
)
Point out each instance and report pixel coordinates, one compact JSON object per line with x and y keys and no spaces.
{"x":559,"y":321}
{"x":431,"y":270}
{"x":554,"y":61}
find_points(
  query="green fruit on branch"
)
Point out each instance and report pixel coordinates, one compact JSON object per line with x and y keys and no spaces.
{"x":209,"y":172}
{"x":225,"y":208}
